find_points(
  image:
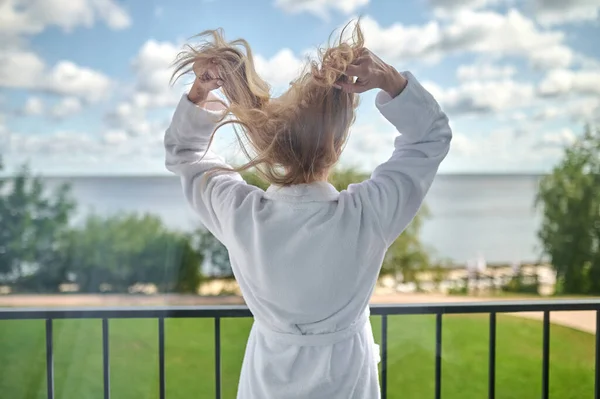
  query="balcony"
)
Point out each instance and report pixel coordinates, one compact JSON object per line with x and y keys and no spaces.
{"x":218,"y":313}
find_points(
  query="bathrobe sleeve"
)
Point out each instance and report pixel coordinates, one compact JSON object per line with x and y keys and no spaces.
{"x":396,"y":189}
{"x":186,"y":142}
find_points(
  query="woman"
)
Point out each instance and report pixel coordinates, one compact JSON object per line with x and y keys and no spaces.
{"x":306,"y":256}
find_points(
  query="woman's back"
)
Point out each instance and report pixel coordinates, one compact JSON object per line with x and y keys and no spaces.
{"x":306,"y":257}
{"x":299,"y":257}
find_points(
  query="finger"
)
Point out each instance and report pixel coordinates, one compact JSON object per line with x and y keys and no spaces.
{"x":353,"y":70}
{"x":204,"y":77}
{"x":361,"y":60}
{"x":201,"y":67}
{"x":362,"y":51}
{"x":352,"y":88}
{"x":208,"y":76}
{"x":213,"y":84}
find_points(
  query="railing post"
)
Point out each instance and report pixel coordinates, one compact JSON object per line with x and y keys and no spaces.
{"x":492,"y":358}
{"x":438,"y":356}
{"x":161,"y":358}
{"x":218,"y":357}
{"x":384,"y":356}
{"x":49,"y":359}
{"x":597,"y":367}
{"x":105,"y":358}
{"x":546,"y":356}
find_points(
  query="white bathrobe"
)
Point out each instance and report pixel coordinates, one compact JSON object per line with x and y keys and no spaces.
{"x":307,"y":257}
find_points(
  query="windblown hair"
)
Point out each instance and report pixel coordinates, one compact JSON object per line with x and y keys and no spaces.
{"x":296,"y":137}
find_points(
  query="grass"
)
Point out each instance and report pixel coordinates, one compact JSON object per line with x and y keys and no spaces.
{"x":190,"y":358}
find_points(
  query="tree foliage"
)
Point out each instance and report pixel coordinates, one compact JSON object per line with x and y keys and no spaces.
{"x":570,"y":228}
{"x":39,"y":249}
{"x":34,"y":224}
{"x":215,"y":252}
{"x":127,"y":249}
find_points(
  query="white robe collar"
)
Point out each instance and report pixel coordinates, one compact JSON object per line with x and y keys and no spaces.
{"x":310,"y":192}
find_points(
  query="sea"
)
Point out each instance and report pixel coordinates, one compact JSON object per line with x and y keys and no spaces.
{"x":471,"y":216}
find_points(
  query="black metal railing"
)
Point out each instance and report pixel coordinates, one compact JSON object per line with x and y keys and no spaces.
{"x":219,"y":312}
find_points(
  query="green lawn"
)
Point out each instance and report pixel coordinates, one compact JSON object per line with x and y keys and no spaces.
{"x":190,"y":358}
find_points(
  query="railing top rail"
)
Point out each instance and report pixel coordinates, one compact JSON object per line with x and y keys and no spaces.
{"x":212,"y":311}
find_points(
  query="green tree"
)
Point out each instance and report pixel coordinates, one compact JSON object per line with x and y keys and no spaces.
{"x":407,"y":255}
{"x":34,"y":226}
{"x":570,"y":228}
{"x":251,"y":177}
{"x":216,"y":252}
{"x":125,"y":249}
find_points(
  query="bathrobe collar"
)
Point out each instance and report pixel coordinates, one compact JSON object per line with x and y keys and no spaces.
{"x":310,"y":192}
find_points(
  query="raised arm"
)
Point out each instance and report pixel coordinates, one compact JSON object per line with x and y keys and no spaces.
{"x":397,"y":187}
{"x":186,"y":142}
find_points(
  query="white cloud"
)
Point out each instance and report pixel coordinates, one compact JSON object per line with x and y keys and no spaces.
{"x":518,"y":116}
{"x":67,"y":78}
{"x":546,"y":12}
{"x":463,"y":146}
{"x":504,"y":150}
{"x":33,"y":106}
{"x":498,"y":150}
{"x":484,"y":97}
{"x":445,"y":8}
{"x":20,"y":68}
{"x":152,"y":66}
{"x":60,"y":143}
{"x":24,"y":69}
{"x":112,"y":13}
{"x":280,"y":69}
{"x":556,"y":12}
{"x":398,"y":42}
{"x":485,"y":71}
{"x":565,"y":81}
{"x":479,"y":32}
{"x":558,"y":139}
{"x":368,"y":138}
{"x":114,"y":137}
{"x":129,"y":118}
{"x":66,"y":107}
{"x":151,"y":89}
{"x":74,"y":149}
{"x":586,"y":110}
{"x":320,"y":8}
{"x":552,"y":57}
{"x":547,"y":113}
{"x":4,"y":134}
{"x":579,"y":110}
{"x":27,"y":17}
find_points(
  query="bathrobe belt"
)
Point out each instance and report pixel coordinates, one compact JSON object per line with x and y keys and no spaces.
{"x":320,"y":339}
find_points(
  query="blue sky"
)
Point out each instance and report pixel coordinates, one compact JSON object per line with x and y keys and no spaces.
{"x":84,"y":83}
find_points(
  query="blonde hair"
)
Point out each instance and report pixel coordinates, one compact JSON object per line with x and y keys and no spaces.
{"x":298,"y":136}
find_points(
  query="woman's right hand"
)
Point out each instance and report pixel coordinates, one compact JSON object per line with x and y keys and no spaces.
{"x":372,"y":73}
{"x":207,"y":80}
